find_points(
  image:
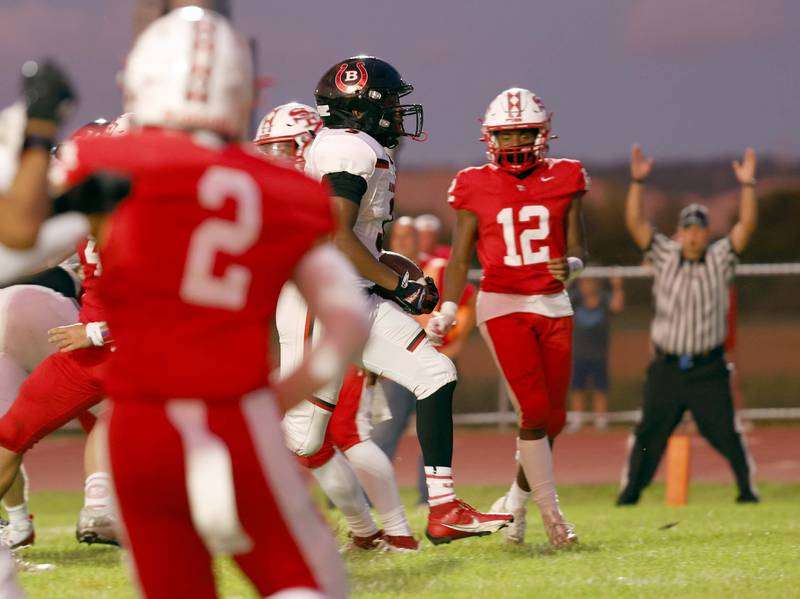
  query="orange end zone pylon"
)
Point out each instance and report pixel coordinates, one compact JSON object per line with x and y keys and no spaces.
{"x":678,"y":450}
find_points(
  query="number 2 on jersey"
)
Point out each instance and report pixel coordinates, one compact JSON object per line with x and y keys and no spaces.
{"x":200,"y":285}
{"x":506,"y":218}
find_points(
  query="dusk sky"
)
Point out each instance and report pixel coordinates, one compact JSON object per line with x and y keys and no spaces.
{"x":687,"y":78}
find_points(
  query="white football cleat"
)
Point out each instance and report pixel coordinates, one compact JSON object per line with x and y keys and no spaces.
{"x":560,"y":533}
{"x":514,"y":532}
{"x":96,"y":525}
{"x":18,"y":535}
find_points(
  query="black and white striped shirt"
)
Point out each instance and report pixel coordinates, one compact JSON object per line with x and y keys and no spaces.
{"x":691,"y":297}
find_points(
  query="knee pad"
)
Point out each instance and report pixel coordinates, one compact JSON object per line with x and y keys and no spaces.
{"x":304,"y":427}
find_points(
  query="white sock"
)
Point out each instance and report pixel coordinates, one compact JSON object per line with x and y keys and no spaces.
{"x":17,"y":513}
{"x":339,"y":483}
{"x":440,"y":485}
{"x":376,"y":475}
{"x":516,"y":498}
{"x":97,"y":491}
{"x":537,"y":462}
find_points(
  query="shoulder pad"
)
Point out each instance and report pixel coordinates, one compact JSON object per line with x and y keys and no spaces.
{"x":345,"y":150}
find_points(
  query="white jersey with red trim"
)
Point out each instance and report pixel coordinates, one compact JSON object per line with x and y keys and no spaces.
{"x":355,"y":152}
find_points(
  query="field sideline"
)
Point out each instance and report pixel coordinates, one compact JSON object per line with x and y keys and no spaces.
{"x":713,"y":548}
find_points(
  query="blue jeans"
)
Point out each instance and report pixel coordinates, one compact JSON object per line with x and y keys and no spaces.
{"x":386,"y":435}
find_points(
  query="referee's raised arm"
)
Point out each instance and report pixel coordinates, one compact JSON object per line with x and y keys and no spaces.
{"x":640,"y":229}
{"x":745,"y":172}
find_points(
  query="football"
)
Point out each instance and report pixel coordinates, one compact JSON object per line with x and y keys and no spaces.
{"x":402,"y":265}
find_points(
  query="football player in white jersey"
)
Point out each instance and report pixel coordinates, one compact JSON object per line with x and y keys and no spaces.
{"x":285,"y":133}
{"x":359,"y":102}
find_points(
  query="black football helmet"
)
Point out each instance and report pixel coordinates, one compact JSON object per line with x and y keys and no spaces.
{"x":363,"y":92}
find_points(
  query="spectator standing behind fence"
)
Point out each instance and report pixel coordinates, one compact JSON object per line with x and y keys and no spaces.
{"x":405,"y":238}
{"x":691,"y":290}
{"x":593,"y":304}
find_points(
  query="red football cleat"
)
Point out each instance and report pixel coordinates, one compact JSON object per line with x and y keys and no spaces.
{"x":400,"y":544}
{"x":371,"y":543}
{"x":458,"y":520}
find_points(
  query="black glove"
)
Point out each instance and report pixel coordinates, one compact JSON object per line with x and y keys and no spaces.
{"x":46,"y":90}
{"x":415,"y":298}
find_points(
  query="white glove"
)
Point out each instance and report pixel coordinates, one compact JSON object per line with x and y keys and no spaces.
{"x":441,"y":322}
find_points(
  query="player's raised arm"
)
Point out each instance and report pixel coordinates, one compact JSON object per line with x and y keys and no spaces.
{"x":23,"y":207}
{"x":640,"y":229}
{"x":455,"y":275}
{"x":327,"y":281}
{"x":745,"y":172}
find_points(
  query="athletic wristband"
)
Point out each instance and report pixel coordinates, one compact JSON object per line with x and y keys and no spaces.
{"x":750,"y":183}
{"x":575,"y":266}
{"x":639,"y":181}
{"x":37,"y":141}
{"x":449,"y":309}
{"x":97,"y":333}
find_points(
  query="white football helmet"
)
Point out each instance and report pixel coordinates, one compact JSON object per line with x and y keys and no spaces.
{"x":516,"y":108}
{"x":287,"y":131}
{"x":190,"y":70}
{"x":120,"y":125}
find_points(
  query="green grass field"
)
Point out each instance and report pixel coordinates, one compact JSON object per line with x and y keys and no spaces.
{"x":714,"y":548}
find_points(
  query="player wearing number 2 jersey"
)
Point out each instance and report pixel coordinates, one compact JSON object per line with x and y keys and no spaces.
{"x":194,"y":259}
{"x":523,"y":209}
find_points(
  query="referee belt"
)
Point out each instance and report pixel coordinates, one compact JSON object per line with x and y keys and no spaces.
{"x":687,"y":361}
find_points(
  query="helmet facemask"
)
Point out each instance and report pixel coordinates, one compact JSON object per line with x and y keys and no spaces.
{"x":517,"y":158}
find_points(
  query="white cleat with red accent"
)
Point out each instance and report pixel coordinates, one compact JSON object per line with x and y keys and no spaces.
{"x":458,"y":520}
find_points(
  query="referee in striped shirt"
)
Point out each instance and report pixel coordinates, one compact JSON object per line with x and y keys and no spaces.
{"x":692,"y":278}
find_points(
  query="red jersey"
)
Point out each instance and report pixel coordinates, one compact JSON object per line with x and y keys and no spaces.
{"x":91,"y":311}
{"x":195,"y":258}
{"x":522,"y":222}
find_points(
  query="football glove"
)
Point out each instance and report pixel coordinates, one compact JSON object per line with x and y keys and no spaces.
{"x":47,"y":91}
{"x":441,"y":322}
{"x":413,"y":297}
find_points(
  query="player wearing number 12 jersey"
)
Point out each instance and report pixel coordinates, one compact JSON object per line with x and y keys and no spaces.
{"x":194,"y":259}
{"x":523,"y":210}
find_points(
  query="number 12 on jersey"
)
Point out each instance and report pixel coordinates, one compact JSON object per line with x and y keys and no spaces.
{"x":506,"y":218}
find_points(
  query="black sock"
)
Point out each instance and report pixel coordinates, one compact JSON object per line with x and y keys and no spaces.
{"x":435,"y":426}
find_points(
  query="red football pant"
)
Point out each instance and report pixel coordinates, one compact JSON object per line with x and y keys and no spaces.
{"x":342,"y":432}
{"x":62,"y":387}
{"x":157,"y":450}
{"x":534,"y":356}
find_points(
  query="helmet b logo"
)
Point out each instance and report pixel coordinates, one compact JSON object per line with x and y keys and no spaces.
{"x":351,"y":79}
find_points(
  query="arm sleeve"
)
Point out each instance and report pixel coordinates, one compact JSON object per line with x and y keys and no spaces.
{"x":347,"y":185}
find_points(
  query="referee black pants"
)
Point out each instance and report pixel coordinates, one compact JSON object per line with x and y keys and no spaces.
{"x":703,"y":389}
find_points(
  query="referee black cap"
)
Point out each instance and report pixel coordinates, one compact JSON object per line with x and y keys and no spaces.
{"x":694,"y":214}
